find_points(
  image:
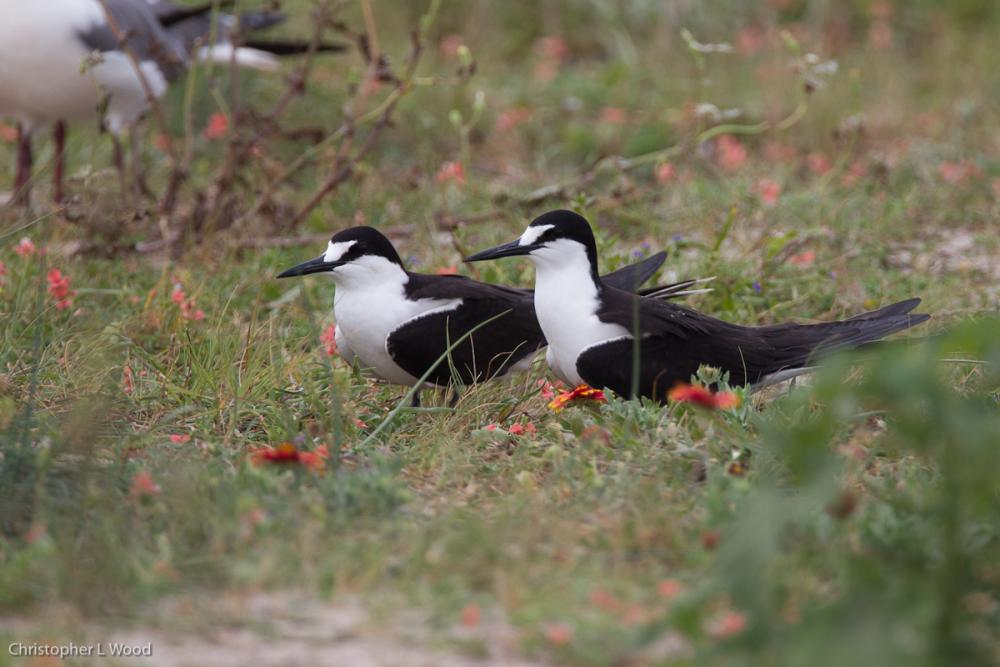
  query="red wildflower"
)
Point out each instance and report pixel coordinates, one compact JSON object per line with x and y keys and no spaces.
{"x":548,"y":390}
{"x":512,"y":117}
{"x":59,"y":289}
{"x":605,"y":600}
{"x":329,"y":339}
{"x":670,"y":588}
{"x":558,"y":634}
{"x":471,"y":615}
{"x":768,"y":191}
{"x":8,"y":134}
{"x":492,"y":427}
{"x":217,"y":128}
{"x":521,"y":429}
{"x":818,"y":163}
{"x":128,"y":382}
{"x":447,"y":271}
{"x":703,"y":397}
{"x":732,"y":154}
{"x":613,"y":116}
{"x":25,"y":248}
{"x":144,"y":486}
{"x":187,"y":305}
{"x":957,"y":173}
{"x":451,"y":171}
{"x":449,"y":45}
{"x":665,"y":173}
{"x":288,"y":453}
{"x":180,"y":438}
{"x":580,"y":393}
{"x":359,"y":423}
{"x":806,"y":258}
{"x":727,"y":625}
{"x":749,"y":40}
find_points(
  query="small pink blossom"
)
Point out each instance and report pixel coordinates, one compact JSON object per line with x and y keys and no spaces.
{"x":25,"y":248}
{"x":727,"y":625}
{"x":768,"y":191}
{"x":665,"y":173}
{"x":512,"y":117}
{"x":558,"y":634}
{"x":492,"y":427}
{"x":451,"y":172}
{"x":144,"y":486}
{"x":180,"y":438}
{"x":186,"y":304}
{"x":522,"y":429}
{"x":217,"y":128}
{"x":8,"y":134}
{"x":59,"y":289}
{"x":818,"y":163}
{"x":806,"y":258}
{"x":614,"y":116}
{"x":329,"y":340}
{"x":732,"y":154}
{"x":447,"y":271}
{"x":449,"y":45}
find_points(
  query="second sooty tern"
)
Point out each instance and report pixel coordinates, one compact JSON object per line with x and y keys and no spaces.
{"x":590,"y":324}
{"x":398,"y":324}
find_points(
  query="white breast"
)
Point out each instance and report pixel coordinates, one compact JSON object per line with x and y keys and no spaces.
{"x":369,"y":304}
{"x":566,"y":305}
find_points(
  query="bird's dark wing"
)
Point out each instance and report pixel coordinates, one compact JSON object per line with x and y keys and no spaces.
{"x":629,"y":278}
{"x":490,"y":351}
{"x":141,"y":33}
{"x":675,"y":341}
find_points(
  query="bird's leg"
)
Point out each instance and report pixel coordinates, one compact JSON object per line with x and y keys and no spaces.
{"x":416,"y":399}
{"x":138,"y":169}
{"x":22,"y":181}
{"x":59,"y":136}
{"x":118,"y":160}
{"x":455,"y":395}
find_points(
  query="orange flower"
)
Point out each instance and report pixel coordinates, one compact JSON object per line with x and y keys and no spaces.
{"x":580,"y":393}
{"x":732,"y":154}
{"x":288,"y":453}
{"x":144,"y":486}
{"x":703,"y":397}
{"x":59,"y":289}
{"x":218,"y":126}
{"x":329,"y":340}
{"x":451,"y":171}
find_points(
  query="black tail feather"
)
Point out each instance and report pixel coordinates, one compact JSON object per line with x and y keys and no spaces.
{"x":291,"y":47}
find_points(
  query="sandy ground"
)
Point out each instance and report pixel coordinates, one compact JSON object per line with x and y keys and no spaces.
{"x":274,"y":630}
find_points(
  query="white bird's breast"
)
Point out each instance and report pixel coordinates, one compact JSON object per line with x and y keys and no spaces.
{"x":566,"y":305}
{"x":369,"y":308}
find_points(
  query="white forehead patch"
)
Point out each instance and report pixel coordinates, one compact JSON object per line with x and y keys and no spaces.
{"x":532,"y":234}
{"x":334,"y":251}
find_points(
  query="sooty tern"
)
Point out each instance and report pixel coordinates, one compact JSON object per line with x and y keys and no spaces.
{"x":589,"y":324}
{"x":61,"y":61}
{"x":398,"y":324}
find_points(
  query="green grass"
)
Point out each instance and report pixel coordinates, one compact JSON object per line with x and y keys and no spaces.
{"x":866,"y":529}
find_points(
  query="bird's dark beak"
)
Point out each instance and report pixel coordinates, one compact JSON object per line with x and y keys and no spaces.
{"x":506,"y":250}
{"x":317,"y":265}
